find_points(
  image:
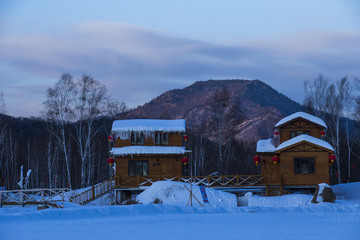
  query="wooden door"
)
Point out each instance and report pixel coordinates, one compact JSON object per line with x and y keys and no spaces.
{"x":272,"y":172}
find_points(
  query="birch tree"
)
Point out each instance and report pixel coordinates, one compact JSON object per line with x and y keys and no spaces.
{"x":329,"y":102}
{"x":218,"y":105}
{"x":90,"y":104}
{"x":59,"y":109}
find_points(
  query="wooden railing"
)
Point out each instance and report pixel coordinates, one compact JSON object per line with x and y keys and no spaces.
{"x":209,"y":181}
{"x":94,"y":192}
{"x":53,"y":197}
{"x":275,"y":190}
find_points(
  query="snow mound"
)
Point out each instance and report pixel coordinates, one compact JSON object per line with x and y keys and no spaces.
{"x":292,"y":200}
{"x":175,"y":193}
{"x":348,"y":191}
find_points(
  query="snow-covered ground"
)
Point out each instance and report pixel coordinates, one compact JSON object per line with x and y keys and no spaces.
{"x":286,"y":217}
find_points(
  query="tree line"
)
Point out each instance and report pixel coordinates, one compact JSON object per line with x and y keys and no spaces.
{"x":67,"y":146}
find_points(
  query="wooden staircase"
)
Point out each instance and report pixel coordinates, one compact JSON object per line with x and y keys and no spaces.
{"x":94,"y":192}
{"x":275,"y":190}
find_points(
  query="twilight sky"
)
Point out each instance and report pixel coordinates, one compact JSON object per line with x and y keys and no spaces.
{"x":139,"y":49}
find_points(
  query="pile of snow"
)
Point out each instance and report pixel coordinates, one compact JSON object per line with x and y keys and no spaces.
{"x":347,"y":191}
{"x":149,"y":125}
{"x":175,"y":193}
{"x":137,"y":150}
{"x":292,"y":200}
{"x":265,"y":145}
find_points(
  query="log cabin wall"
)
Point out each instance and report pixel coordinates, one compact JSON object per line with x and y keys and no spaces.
{"x":287,"y":168}
{"x":299,"y":125}
{"x":158,"y":165}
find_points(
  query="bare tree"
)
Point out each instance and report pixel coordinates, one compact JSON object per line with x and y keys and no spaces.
{"x":338,"y":98}
{"x":59,"y":109}
{"x":316,"y":95}
{"x":330,"y":102}
{"x":90,"y":104}
{"x":219,"y":103}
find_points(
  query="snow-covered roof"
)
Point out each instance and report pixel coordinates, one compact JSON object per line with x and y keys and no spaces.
{"x":303,"y":115}
{"x":265,"y":145}
{"x":149,"y":125}
{"x":305,"y":138}
{"x":140,"y":150}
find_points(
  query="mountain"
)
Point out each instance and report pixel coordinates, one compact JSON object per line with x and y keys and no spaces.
{"x":259,"y":105}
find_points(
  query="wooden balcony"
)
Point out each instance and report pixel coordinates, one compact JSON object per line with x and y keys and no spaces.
{"x":208,"y":181}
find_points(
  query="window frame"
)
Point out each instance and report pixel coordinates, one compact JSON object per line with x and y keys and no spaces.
{"x":138,"y":168}
{"x":161,"y":138}
{"x":298,"y":133}
{"x":300,"y":162}
{"x":137,"y":139}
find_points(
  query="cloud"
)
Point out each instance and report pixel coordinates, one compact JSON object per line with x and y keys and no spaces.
{"x":137,"y":63}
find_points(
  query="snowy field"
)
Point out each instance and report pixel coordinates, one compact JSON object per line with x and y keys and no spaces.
{"x":286,"y":217}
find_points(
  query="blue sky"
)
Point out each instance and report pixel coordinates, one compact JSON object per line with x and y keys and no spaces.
{"x":139,"y":49}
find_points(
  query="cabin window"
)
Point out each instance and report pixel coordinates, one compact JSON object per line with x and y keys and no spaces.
{"x":140,"y":168}
{"x":298,"y":133}
{"x":161,"y":138}
{"x":137,"y":139}
{"x":304,"y":165}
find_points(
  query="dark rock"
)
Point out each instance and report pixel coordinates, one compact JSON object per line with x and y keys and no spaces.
{"x":326,"y":194}
{"x":42,"y":207}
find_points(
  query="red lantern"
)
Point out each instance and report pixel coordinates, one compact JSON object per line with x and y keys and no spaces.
{"x":322,"y":133}
{"x":185,"y":137}
{"x":276,"y":133}
{"x":353,"y":165}
{"x":256,"y":159}
{"x":110,"y":138}
{"x":110,"y":160}
{"x":332,"y":158}
{"x":185,"y":160}
{"x":275,"y":159}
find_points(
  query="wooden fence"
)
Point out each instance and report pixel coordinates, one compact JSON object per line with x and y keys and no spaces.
{"x":94,"y":192}
{"x":208,"y":181}
{"x":54,"y":197}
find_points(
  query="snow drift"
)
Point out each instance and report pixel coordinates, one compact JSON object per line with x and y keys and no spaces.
{"x":175,"y":193}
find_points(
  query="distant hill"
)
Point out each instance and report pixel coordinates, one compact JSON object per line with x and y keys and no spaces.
{"x":260,"y":106}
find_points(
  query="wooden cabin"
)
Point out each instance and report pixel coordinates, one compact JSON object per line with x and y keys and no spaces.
{"x":147,"y":149}
{"x":297,"y":155}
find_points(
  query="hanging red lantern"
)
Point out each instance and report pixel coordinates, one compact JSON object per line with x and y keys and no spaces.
{"x":275,"y":159}
{"x":276,"y":133}
{"x":185,"y":137}
{"x":322,"y":133}
{"x":110,"y":138}
{"x":256,"y":160}
{"x":185,"y":160}
{"x":353,"y":165}
{"x":110,"y":160}
{"x":332,"y":158}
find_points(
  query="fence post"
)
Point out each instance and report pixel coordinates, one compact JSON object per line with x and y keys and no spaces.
{"x":93,"y":191}
{"x":21,"y":197}
{"x":42,"y":196}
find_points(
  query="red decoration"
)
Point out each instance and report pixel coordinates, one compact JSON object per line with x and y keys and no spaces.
{"x":332,"y":158}
{"x":276,"y":133}
{"x":275,"y":159}
{"x":256,"y":159}
{"x":353,"y":165}
{"x":110,"y":160}
{"x":185,"y":160}
{"x":110,"y":138}
{"x":322,"y":133}
{"x":186,"y":138}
